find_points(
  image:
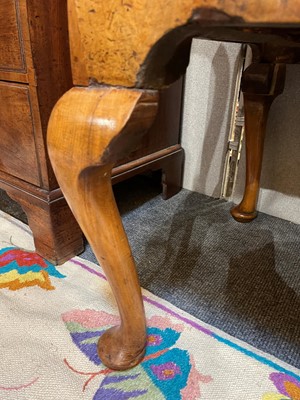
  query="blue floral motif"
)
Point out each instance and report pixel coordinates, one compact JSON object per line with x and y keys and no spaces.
{"x":163,"y":373}
{"x":169,"y":372}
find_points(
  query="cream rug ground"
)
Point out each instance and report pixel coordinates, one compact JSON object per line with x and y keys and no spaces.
{"x":51,"y":318}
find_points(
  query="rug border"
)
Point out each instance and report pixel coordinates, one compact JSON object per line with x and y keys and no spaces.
{"x":207,"y":329}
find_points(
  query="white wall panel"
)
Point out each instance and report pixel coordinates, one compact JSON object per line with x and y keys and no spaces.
{"x":209,"y":92}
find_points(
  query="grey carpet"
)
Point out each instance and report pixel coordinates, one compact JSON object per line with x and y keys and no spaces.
{"x":241,"y":278}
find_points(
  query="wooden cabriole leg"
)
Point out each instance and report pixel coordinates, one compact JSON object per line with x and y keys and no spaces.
{"x":261,"y":84}
{"x":90,"y":129}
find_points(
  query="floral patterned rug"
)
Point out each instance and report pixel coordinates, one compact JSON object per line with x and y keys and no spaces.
{"x":52,"y":317}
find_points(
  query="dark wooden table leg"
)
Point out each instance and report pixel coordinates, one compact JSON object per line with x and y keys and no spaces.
{"x":261,"y":83}
{"x":89,"y":130}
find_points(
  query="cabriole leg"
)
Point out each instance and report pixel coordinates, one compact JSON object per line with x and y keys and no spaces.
{"x":261,"y":84}
{"x":89,"y":130}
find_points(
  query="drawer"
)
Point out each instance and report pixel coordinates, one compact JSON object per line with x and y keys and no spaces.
{"x":11,"y":43}
{"x":17,"y":135}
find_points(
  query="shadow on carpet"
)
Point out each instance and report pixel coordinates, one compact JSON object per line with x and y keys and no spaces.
{"x":241,"y":278}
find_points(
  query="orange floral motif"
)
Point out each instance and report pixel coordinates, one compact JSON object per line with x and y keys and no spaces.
{"x":287,"y":386}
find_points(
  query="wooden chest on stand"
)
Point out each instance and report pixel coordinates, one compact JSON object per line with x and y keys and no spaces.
{"x":34,"y":73}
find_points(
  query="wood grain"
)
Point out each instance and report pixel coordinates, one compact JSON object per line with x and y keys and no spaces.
{"x":90,"y":129}
{"x":47,"y":23}
{"x":110,"y":40}
{"x":168,"y":160}
{"x":57,"y":236}
{"x":261,"y":84}
{"x":133,"y":44}
{"x":17,"y":133}
{"x":11,"y":47}
{"x":34,"y":72}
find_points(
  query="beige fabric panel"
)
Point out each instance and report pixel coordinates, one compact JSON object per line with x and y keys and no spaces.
{"x":208,"y":102}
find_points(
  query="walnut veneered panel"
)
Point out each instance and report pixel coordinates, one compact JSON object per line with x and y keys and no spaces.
{"x":11,"y":48}
{"x":17,"y":145}
{"x":110,"y":39}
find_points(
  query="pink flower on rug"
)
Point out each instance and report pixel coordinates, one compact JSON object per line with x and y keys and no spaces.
{"x":192,"y":389}
{"x":91,"y":319}
{"x":164,"y":322}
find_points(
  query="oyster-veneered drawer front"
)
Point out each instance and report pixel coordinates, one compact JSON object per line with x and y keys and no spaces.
{"x":17,"y":141}
{"x":11,"y":48}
